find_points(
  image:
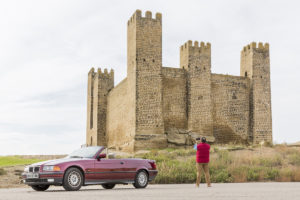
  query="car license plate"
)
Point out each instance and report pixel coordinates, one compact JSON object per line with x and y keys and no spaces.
{"x":32,"y":175}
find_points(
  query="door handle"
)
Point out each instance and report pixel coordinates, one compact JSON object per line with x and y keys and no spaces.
{"x":121,"y":163}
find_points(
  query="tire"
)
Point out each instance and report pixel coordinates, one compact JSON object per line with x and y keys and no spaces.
{"x":73,"y":179}
{"x":40,"y":187}
{"x":108,"y":186}
{"x":141,"y":179}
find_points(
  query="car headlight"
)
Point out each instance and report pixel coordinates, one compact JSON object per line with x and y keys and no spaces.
{"x":51,"y":168}
{"x":26,"y":169}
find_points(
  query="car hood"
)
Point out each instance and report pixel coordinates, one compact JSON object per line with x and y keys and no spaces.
{"x":59,"y":161}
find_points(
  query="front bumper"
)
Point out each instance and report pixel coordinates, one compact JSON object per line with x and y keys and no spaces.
{"x":45,"y":178}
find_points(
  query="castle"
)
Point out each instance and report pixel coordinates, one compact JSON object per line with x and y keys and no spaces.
{"x":157,"y":106}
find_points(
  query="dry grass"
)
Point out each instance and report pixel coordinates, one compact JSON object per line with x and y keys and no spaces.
{"x":229,"y":164}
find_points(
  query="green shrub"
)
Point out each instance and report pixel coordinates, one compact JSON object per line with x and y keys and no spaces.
{"x":269,"y":161}
{"x":271,"y":174}
{"x":222,"y":176}
{"x":2,"y":172}
{"x":253,"y":174}
{"x":294,"y":159}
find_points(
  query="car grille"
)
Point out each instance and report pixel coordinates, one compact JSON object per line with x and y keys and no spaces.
{"x":34,"y":169}
{"x":31,"y":180}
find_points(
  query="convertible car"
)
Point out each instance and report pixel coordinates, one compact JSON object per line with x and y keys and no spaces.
{"x":89,"y":166}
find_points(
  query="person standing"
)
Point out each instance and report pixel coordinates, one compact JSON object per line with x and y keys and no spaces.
{"x":202,"y":160}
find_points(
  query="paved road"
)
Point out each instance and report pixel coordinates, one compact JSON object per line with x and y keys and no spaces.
{"x":230,"y":191}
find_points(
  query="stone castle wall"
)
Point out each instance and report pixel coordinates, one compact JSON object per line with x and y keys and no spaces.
{"x":174,"y":98}
{"x":158,"y":107}
{"x":230,"y":99}
{"x":120,"y":117}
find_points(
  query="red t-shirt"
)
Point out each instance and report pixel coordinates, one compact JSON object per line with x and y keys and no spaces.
{"x":202,"y":155}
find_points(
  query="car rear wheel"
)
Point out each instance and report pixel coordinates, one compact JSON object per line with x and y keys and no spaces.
{"x":40,"y":187}
{"x":73,"y":179}
{"x":108,"y":186}
{"x":141,"y":179}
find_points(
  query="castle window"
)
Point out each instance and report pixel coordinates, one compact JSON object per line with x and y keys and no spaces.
{"x":260,"y":76}
{"x":234,"y":96}
{"x":91,"y":141}
{"x":153,"y":60}
{"x":144,"y":60}
{"x":204,"y":68}
{"x":246,"y":74}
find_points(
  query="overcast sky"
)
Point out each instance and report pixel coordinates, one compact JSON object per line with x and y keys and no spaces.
{"x":48,"y":47}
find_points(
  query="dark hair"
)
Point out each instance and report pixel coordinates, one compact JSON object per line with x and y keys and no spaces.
{"x":203,"y":139}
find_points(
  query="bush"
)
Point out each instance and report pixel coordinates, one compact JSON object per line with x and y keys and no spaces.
{"x":253,"y":174}
{"x":272,"y":174}
{"x":222,"y":176}
{"x":294,"y":159}
{"x":2,"y":172}
{"x":270,"y":161}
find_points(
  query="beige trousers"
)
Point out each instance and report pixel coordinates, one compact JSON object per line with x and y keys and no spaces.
{"x":204,"y":167}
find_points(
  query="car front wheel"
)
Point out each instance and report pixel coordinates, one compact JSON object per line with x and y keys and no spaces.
{"x":40,"y":187}
{"x":141,"y":179}
{"x":108,"y":186}
{"x":73,"y":179}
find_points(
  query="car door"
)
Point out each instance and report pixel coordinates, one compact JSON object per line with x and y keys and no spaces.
{"x":129,"y":168}
{"x":109,"y":170}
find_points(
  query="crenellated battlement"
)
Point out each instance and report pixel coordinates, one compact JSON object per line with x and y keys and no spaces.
{"x":254,"y":46}
{"x":101,"y":74}
{"x":105,"y":74}
{"x":189,"y":45}
{"x":148,"y":15}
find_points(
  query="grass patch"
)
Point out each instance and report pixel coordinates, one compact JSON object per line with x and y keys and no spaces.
{"x":16,"y":160}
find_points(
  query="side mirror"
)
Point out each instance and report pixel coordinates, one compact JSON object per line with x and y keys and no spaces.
{"x":102,"y":155}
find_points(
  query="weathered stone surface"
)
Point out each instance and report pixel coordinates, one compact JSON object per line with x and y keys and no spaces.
{"x":147,"y":141}
{"x":156,"y":106}
{"x":176,"y":138}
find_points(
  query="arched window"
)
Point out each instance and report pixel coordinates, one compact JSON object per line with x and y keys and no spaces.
{"x":246,"y":74}
{"x":91,"y":141}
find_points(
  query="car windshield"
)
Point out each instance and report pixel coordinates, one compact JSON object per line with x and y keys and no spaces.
{"x":86,"y":152}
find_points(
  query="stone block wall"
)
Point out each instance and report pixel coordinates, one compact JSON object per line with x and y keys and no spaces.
{"x":174,"y":98}
{"x":120,"y":118}
{"x":230,"y":99}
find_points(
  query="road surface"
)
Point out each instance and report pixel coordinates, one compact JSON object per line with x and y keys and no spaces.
{"x":230,"y":191}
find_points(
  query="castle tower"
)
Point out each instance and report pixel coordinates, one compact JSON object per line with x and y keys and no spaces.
{"x":99,"y":84}
{"x":144,"y":65}
{"x":255,"y":64}
{"x":196,"y":60}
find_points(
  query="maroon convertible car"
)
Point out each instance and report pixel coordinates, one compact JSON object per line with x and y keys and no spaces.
{"x":89,"y":166}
